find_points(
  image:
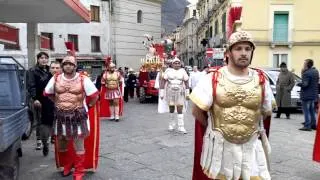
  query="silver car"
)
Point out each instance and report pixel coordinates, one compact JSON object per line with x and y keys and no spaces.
{"x":273,"y":74}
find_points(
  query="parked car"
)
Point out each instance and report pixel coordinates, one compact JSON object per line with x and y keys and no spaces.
{"x":14,"y":121}
{"x":273,"y":74}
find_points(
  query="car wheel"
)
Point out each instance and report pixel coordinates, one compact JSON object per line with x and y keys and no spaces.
{"x":28,"y":132}
{"x":142,"y":94}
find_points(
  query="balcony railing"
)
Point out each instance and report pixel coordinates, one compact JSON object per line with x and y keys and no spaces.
{"x":280,"y":37}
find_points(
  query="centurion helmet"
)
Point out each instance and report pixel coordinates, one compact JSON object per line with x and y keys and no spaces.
{"x":175,"y":60}
{"x":69,"y":59}
{"x":240,"y":36}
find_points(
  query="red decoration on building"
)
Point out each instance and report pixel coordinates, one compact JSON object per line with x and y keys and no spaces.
{"x":44,"y":42}
{"x":9,"y":34}
{"x":70,"y":48}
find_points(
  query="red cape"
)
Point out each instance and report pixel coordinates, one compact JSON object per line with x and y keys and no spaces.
{"x":91,"y":143}
{"x":104,"y":104}
{"x":199,"y":131}
{"x":316,"y":148}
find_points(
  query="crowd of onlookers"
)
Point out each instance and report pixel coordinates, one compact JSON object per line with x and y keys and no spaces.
{"x":308,"y":93}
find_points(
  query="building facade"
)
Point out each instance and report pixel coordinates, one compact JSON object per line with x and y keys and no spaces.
{"x":284,"y":31}
{"x":131,"y":19}
{"x":187,"y":36}
{"x":117,"y":29}
{"x":91,"y":40}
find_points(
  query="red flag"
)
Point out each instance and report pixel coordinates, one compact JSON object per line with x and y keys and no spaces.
{"x":70,"y":48}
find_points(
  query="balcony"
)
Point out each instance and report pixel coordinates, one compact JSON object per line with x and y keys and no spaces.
{"x":280,"y":37}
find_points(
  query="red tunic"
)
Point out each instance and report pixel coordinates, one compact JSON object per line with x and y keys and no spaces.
{"x":104,"y":104}
{"x":316,"y":148}
{"x":91,"y":143}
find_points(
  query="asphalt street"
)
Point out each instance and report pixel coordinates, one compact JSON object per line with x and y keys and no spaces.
{"x":139,"y":147}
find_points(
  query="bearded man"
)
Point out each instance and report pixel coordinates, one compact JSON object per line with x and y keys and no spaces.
{"x":237,"y":99}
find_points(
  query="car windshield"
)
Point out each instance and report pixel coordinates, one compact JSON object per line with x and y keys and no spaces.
{"x":275,"y":73}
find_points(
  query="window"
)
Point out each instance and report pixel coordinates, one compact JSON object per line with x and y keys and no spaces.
{"x":95,"y":13}
{"x":216,"y":28}
{"x":12,"y":46}
{"x":95,"y":44}
{"x":278,"y":59}
{"x":74,"y":38}
{"x":50,"y":36}
{"x":280,"y":27}
{"x":139,"y":16}
{"x":211,"y":31}
{"x":194,"y":13}
{"x":223,"y":23}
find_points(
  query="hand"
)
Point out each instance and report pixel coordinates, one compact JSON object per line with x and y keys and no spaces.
{"x":187,"y":92}
{"x":90,"y":106}
{"x":37,"y":104}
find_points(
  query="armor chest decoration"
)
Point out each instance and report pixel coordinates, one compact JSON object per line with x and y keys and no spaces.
{"x":175,"y":77}
{"x":69,"y":93}
{"x":237,"y":108}
{"x":112,"y":80}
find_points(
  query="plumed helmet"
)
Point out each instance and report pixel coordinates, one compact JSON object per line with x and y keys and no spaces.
{"x":69,"y":59}
{"x":107,"y":60}
{"x":240,"y":36}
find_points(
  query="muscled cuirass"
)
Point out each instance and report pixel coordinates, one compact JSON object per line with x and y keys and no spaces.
{"x":237,"y":108}
{"x":111,"y":80}
{"x":175,"y":77}
{"x":69,"y":94}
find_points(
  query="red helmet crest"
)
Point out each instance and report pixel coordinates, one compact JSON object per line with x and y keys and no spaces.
{"x":107,"y":61}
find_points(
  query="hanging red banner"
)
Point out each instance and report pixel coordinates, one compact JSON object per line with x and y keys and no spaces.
{"x":9,"y":34}
{"x":44,"y":42}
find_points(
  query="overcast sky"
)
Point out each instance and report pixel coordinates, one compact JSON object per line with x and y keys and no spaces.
{"x":193,"y":1}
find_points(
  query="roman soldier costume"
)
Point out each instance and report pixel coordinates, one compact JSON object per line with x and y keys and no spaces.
{"x":175,"y":93}
{"x":111,"y":93}
{"x":75,"y":126}
{"x":234,"y":143}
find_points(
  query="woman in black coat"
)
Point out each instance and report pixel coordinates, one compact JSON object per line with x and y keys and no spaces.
{"x":43,"y":107}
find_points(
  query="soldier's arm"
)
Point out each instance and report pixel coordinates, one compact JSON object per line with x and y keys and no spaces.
{"x":200,"y":115}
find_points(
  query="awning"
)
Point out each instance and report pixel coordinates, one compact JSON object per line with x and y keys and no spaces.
{"x":43,"y":11}
{"x":9,"y":34}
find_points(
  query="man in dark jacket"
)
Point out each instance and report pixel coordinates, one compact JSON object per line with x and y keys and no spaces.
{"x":131,"y":82}
{"x":38,"y":77}
{"x":285,"y":83}
{"x":309,"y":94}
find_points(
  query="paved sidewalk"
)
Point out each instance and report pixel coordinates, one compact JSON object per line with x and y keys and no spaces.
{"x":140,"y":147}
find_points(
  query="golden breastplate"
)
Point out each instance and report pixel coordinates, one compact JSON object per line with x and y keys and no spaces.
{"x":237,"y":109}
{"x":69,"y":95}
{"x":112,"y":80}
